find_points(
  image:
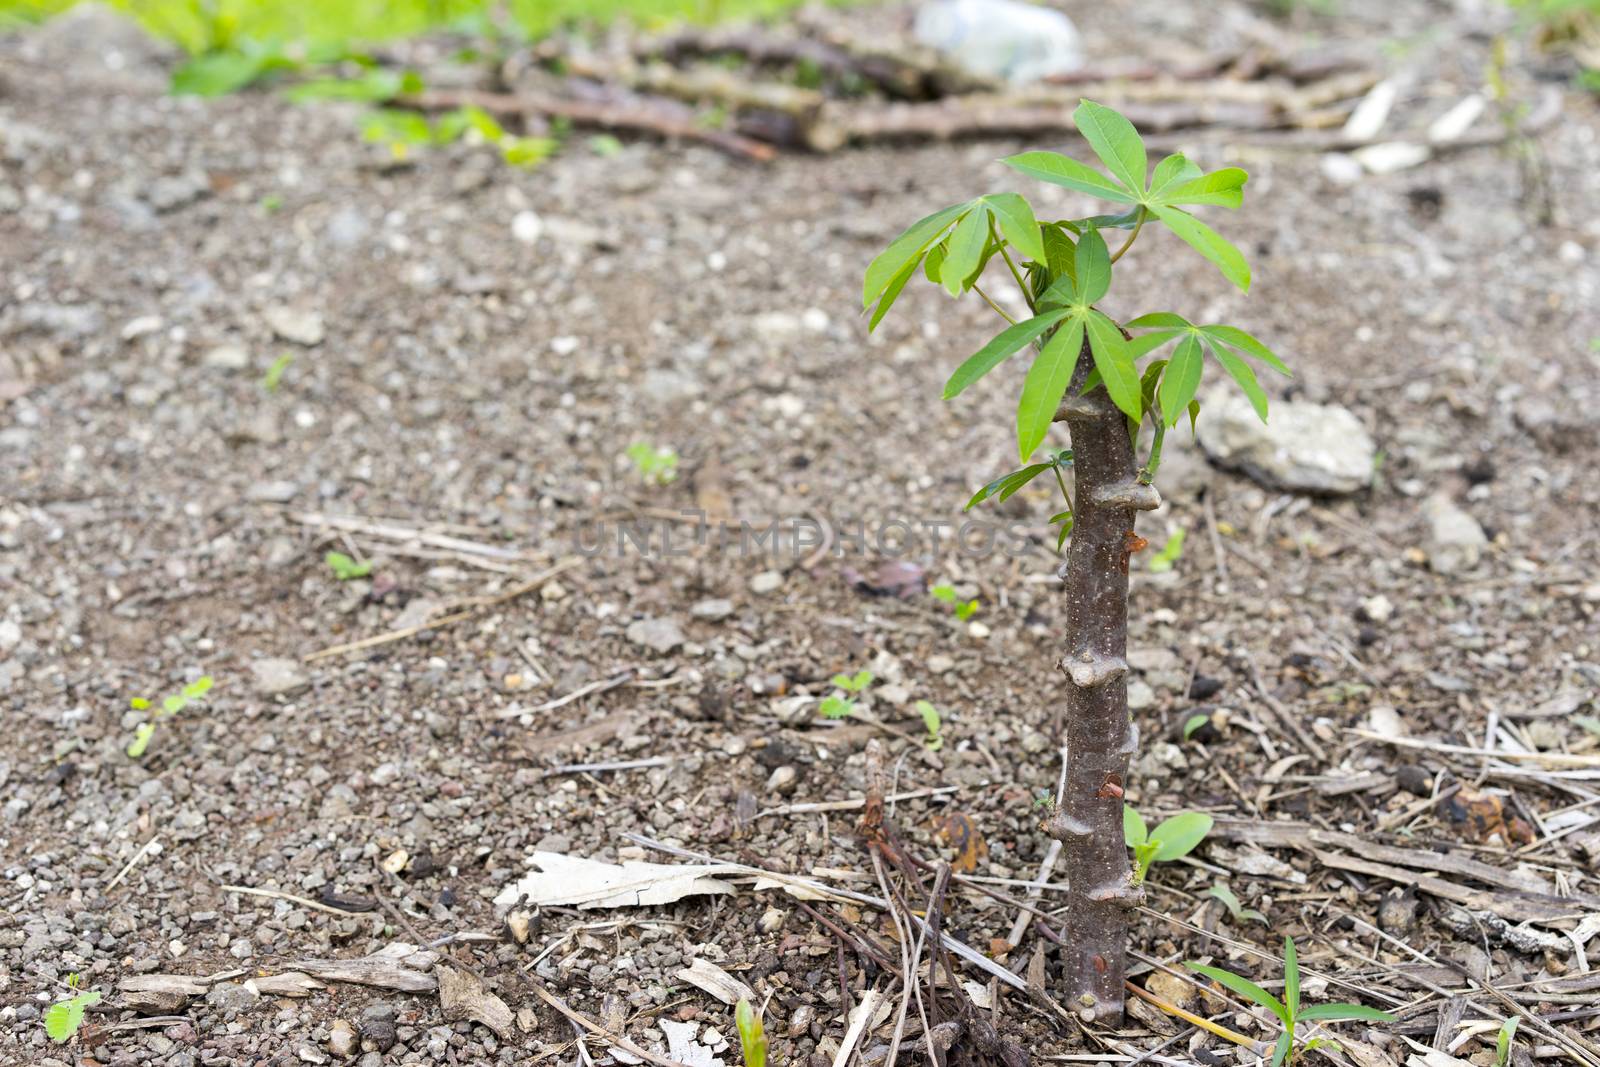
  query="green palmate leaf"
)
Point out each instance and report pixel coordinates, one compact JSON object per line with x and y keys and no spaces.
{"x":914,"y":241}
{"x":1241,"y":373}
{"x":1237,"y":339}
{"x":1335,"y":1012}
{"x":1059,"y":251}
{"x":1170,"y":171}
{"x":1092,"y":265}
{"x":1065,"y":519}
{"x":1181,"y":381}
{"x":64,"y":1017}
{"x":220,"y":73}
{"x":1179,"y":835}
{"x":1046,"y":384}
{"x":1062,"y":291}
{"x":1125,"y":221}
{"x":1244,"y":987}
{"x":1165,"y":319}
{"x":1115,"y":141}
{"x":896,"y":285}
{"x":966,"y":251}
{"x":1224,"y":188}
{"x":1133,"y":827}
{"x":1207,"y":242}
{"x":1115,"y":363}
{"x":1004,"y":486}
{"x":1147,"y":343}
{"x":1016,"y":221}
{"x":1280,"y":1051}
{"x":1057,"y":169}
{"x":1002,"y":346}
{"x":1291,"y":977}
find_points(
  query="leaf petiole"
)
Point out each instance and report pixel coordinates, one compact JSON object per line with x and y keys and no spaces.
{"x":1137,"y":226}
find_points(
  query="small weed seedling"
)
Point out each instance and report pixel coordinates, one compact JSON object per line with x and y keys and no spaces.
{"x":657,"y":465}
{"x":1289,"y":1010}
{"x":194,"y":691}
{"x":1193,"y":723}
{"x":932,"y":723}
{"x":1164,"y":560}
{"x":64,"y":1017}
{"x":1104,"y":372}
{"x":964,"y":609}
{"x":274,"y":376}
{"x":1236,"y":909}
{"x":346,"y":569}
{"x":839,"y":707}
{"x":752,"y":1034}
{"x":1173,"y":839}
{"x":1502,"y":1043}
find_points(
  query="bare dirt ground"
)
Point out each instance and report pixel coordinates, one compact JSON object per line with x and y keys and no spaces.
{"x":476,"y":390}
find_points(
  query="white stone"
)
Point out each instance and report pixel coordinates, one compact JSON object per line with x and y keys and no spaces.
{"x":1310,"y":448}
{"x":297,"y":325}
{"x":527,"y":227}
{"x":766,"y":582}
{"x":1455,"y":540}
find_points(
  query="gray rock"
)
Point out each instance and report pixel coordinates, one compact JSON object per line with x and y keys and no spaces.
{"x":278,"y":677}
{"x":295,"y":324}
{"x":766,"y":582}
{"x":227,"y":357}
{"x":173,"y":191}
{"x":64,"y":322}
{"x":1140,"y":695}
{"x":377,"y":1027}
{"x":231,"y":998}
{"x":272,"y":492}
{"x":659,"y":635}
{"x":1306,"y":448}
{"x":342,"y":1040}
{"x":1455,"y":540}
{"x":715,"y":609}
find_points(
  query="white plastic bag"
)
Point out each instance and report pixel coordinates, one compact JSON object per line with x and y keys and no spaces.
{"x":1005,"y":39}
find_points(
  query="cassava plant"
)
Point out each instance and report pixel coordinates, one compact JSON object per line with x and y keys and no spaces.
{"x":1105,"y":377}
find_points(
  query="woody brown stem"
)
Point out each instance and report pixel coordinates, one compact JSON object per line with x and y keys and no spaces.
{"x":1100,"y":734}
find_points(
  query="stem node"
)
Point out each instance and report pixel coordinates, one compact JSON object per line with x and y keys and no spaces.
{"x":1130,"y":493}
{"x":1090,"y":670}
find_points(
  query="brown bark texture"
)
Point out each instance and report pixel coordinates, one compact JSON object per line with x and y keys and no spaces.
{"x":1100,"y":734}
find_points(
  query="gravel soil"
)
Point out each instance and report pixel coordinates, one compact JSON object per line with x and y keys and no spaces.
{"x":464,"y":351}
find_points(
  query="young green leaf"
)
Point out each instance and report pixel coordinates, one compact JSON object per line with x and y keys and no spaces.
{"x":1003,"y":487}
{"x":1241,"y":373}
{"x":910,"y":244}
{"x":752,"y":1034}
{"x":1502,"y":1044}
{"x":64,"y":1017}
{"x":1238,"y":340}
{"x":1002,"y":346}
{"x":1280,"y":1051}
{"x":1115,"y":141}
{"x":1166,"y":320}
{"x":1291,"y":977}
{"x":1057,"y":169}
{"x":1223,"y":188}
{"x":1046,"y":385}
{"x":1179,"y":835}
{"x":1115,"y":363}
{"x":932,"y":723}
{"x":1193,"y":724}
{"x":1017,"y":222}
{"x":896,"y":285}
{"x":1059,"y":251}
{"x":1092,"y":264}
{"x":1170,"y":171}
{"x":1133,"y":827}
{"x":966,"y":251}
{"x":1335,"y":1012}
{"x":1244,"y":987}
{"x":1207,"y":242}
{"x":141,"y":739}
{"x":1181,"y":381}
{"x":833,"y":707}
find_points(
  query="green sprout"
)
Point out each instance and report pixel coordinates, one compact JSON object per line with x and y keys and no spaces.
{"x":1173,"y":839}
{"x":1236,"y":909}
{"x":1193,"y":724}
{"x":657,"y":465}
{"x":752,"y":1034}
{"x":64,"y":1017}
{"x":194,"y":691}
{"x":345,"y":568}
{"x":274,"y":376}
{"x":1289,"y":1010}
{"x":1170,"y":552}
{"x":1502,"y":1043}
{"x":932,"y":723}
{"x":964,"y":609}
{"x":836,"y":706}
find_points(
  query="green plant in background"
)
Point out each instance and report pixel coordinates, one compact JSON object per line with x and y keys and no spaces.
{"x":1170,"y":553}
{"x":1235,"y":908}
{"x":963,"y":609}
{"x":835,"y":706}
{"x":1503,"y":1041}
{"x":1173,"y":839}
{"x":274,"y":376}
{"x":657,"y":465}
{"x":1105,"y":377}
{"x":752,"y":1034}
{"x":1289,"y":1010}
{"x":64,"y":1017}
{"x":194,"y":691}
{"x":346,"y":568}
{"x":932,"y":723}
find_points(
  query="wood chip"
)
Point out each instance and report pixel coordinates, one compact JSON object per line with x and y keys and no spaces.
{"x":463,"y":997}
{"x":703,"y":974}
